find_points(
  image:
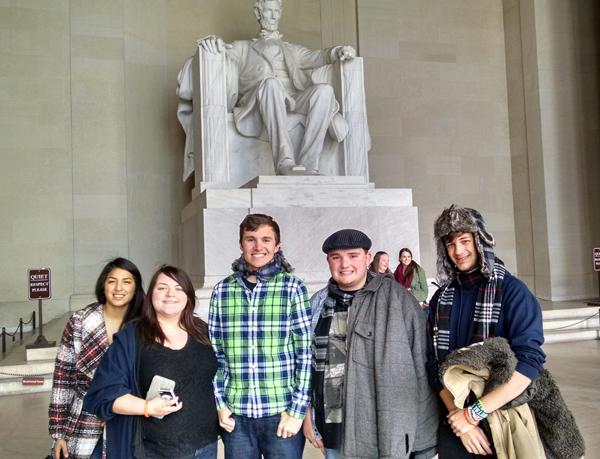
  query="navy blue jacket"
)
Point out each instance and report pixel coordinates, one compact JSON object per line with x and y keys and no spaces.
{"x":117,"y":375}
{"x":520,"y":322}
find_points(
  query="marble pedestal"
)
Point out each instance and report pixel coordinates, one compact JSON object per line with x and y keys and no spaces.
{"x":307,"y":209}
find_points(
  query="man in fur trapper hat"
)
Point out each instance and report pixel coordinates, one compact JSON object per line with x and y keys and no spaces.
{"x":478,"y":299}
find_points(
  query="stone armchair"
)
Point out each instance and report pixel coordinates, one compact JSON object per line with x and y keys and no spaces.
{"x":223,"y":158}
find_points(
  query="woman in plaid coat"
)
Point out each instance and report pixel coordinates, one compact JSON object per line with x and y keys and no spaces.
{"x":86,"y":338}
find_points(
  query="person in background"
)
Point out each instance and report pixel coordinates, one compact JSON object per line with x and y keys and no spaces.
{"x":167,"y":341}
{"x":77,"y":434}
{"x":412,"y":276}
{"x":380,"y":263}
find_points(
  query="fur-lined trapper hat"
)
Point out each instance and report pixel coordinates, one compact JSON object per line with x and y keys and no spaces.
{"x":457,"y":219}
{"x":556,"y":425}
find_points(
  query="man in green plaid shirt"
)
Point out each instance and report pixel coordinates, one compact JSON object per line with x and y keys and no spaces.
{"x":259,"y":324}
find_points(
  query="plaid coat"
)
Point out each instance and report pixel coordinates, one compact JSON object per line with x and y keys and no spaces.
{"x":83,"y":344}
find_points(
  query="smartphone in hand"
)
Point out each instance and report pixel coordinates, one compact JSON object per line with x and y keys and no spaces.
{"x":161,"y":387}
{"x":166,"y":394}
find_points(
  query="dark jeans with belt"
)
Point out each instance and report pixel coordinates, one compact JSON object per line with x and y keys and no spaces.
{"x":252,"y":437}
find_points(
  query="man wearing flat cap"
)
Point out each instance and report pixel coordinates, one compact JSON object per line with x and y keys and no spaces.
{"x":370,"y":393}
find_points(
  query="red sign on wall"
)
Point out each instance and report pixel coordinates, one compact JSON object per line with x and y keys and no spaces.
{"x":596,"y":258}
{"x":39,"y":284}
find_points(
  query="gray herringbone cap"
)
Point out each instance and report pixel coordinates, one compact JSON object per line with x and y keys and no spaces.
{"x":347,"y":239}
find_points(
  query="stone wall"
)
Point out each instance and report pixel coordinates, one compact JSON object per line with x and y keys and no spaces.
{"x":36,"y":175}
{"x":552,"y":50}
{"x":437,"y":103}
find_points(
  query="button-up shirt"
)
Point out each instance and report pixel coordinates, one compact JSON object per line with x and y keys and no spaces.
{"x":262,"y":339}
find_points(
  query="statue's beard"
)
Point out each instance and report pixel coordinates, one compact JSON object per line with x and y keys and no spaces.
{"x":269,"y":26}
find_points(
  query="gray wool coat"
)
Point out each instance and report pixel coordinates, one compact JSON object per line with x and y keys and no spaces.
{"x":389,"y":408}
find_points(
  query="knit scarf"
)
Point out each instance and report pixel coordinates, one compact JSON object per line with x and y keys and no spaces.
{"x":399,"y":275}
{"x":336,"y":301}
{"x":267,"y":272}
{"x":329,"y":350}
{"x":487,"y":309}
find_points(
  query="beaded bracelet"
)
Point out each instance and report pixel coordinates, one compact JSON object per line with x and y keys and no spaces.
{"x":146,"y":414}
{"x":477,"y":411}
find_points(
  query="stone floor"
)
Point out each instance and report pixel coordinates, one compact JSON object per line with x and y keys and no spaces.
{"x":576,"y":366}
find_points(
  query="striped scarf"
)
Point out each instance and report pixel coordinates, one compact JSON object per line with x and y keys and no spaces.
{"x":336,"y":301}
{"x":329,"y":362}
{"x":329,"y":351}
{"x":486,"y":315}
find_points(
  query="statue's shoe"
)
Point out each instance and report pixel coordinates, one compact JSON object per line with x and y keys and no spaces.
{"x":291,"y":169}
{"x":312,"y":172}
{"x":294,"y":169}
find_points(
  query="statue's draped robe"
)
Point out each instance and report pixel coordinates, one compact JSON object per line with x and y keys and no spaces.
{"x":250,"y":63}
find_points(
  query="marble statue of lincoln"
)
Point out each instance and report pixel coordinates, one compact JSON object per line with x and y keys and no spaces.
{"x":272,"y":82}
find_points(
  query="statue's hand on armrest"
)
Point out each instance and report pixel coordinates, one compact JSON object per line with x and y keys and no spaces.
{"x":345,"y":53}
{"x":213,"y":44}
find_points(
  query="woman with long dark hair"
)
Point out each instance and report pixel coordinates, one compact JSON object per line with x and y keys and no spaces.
{"x":410,"y":274}
{"x":86,"y":338}
{"x":170,"y":342}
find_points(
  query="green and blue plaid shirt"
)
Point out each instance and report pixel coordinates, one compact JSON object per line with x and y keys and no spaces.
{"x":262,"y":339}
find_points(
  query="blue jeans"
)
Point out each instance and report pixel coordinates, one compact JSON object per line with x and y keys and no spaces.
{"x":252,"y":437}
{"x":332,"y":453}
{"x":206,"y":452}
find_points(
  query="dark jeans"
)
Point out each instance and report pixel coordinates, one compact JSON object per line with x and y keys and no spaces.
{"x":451,"y":447}
{"x":206,"y":452}
{"x":253,"y":437}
